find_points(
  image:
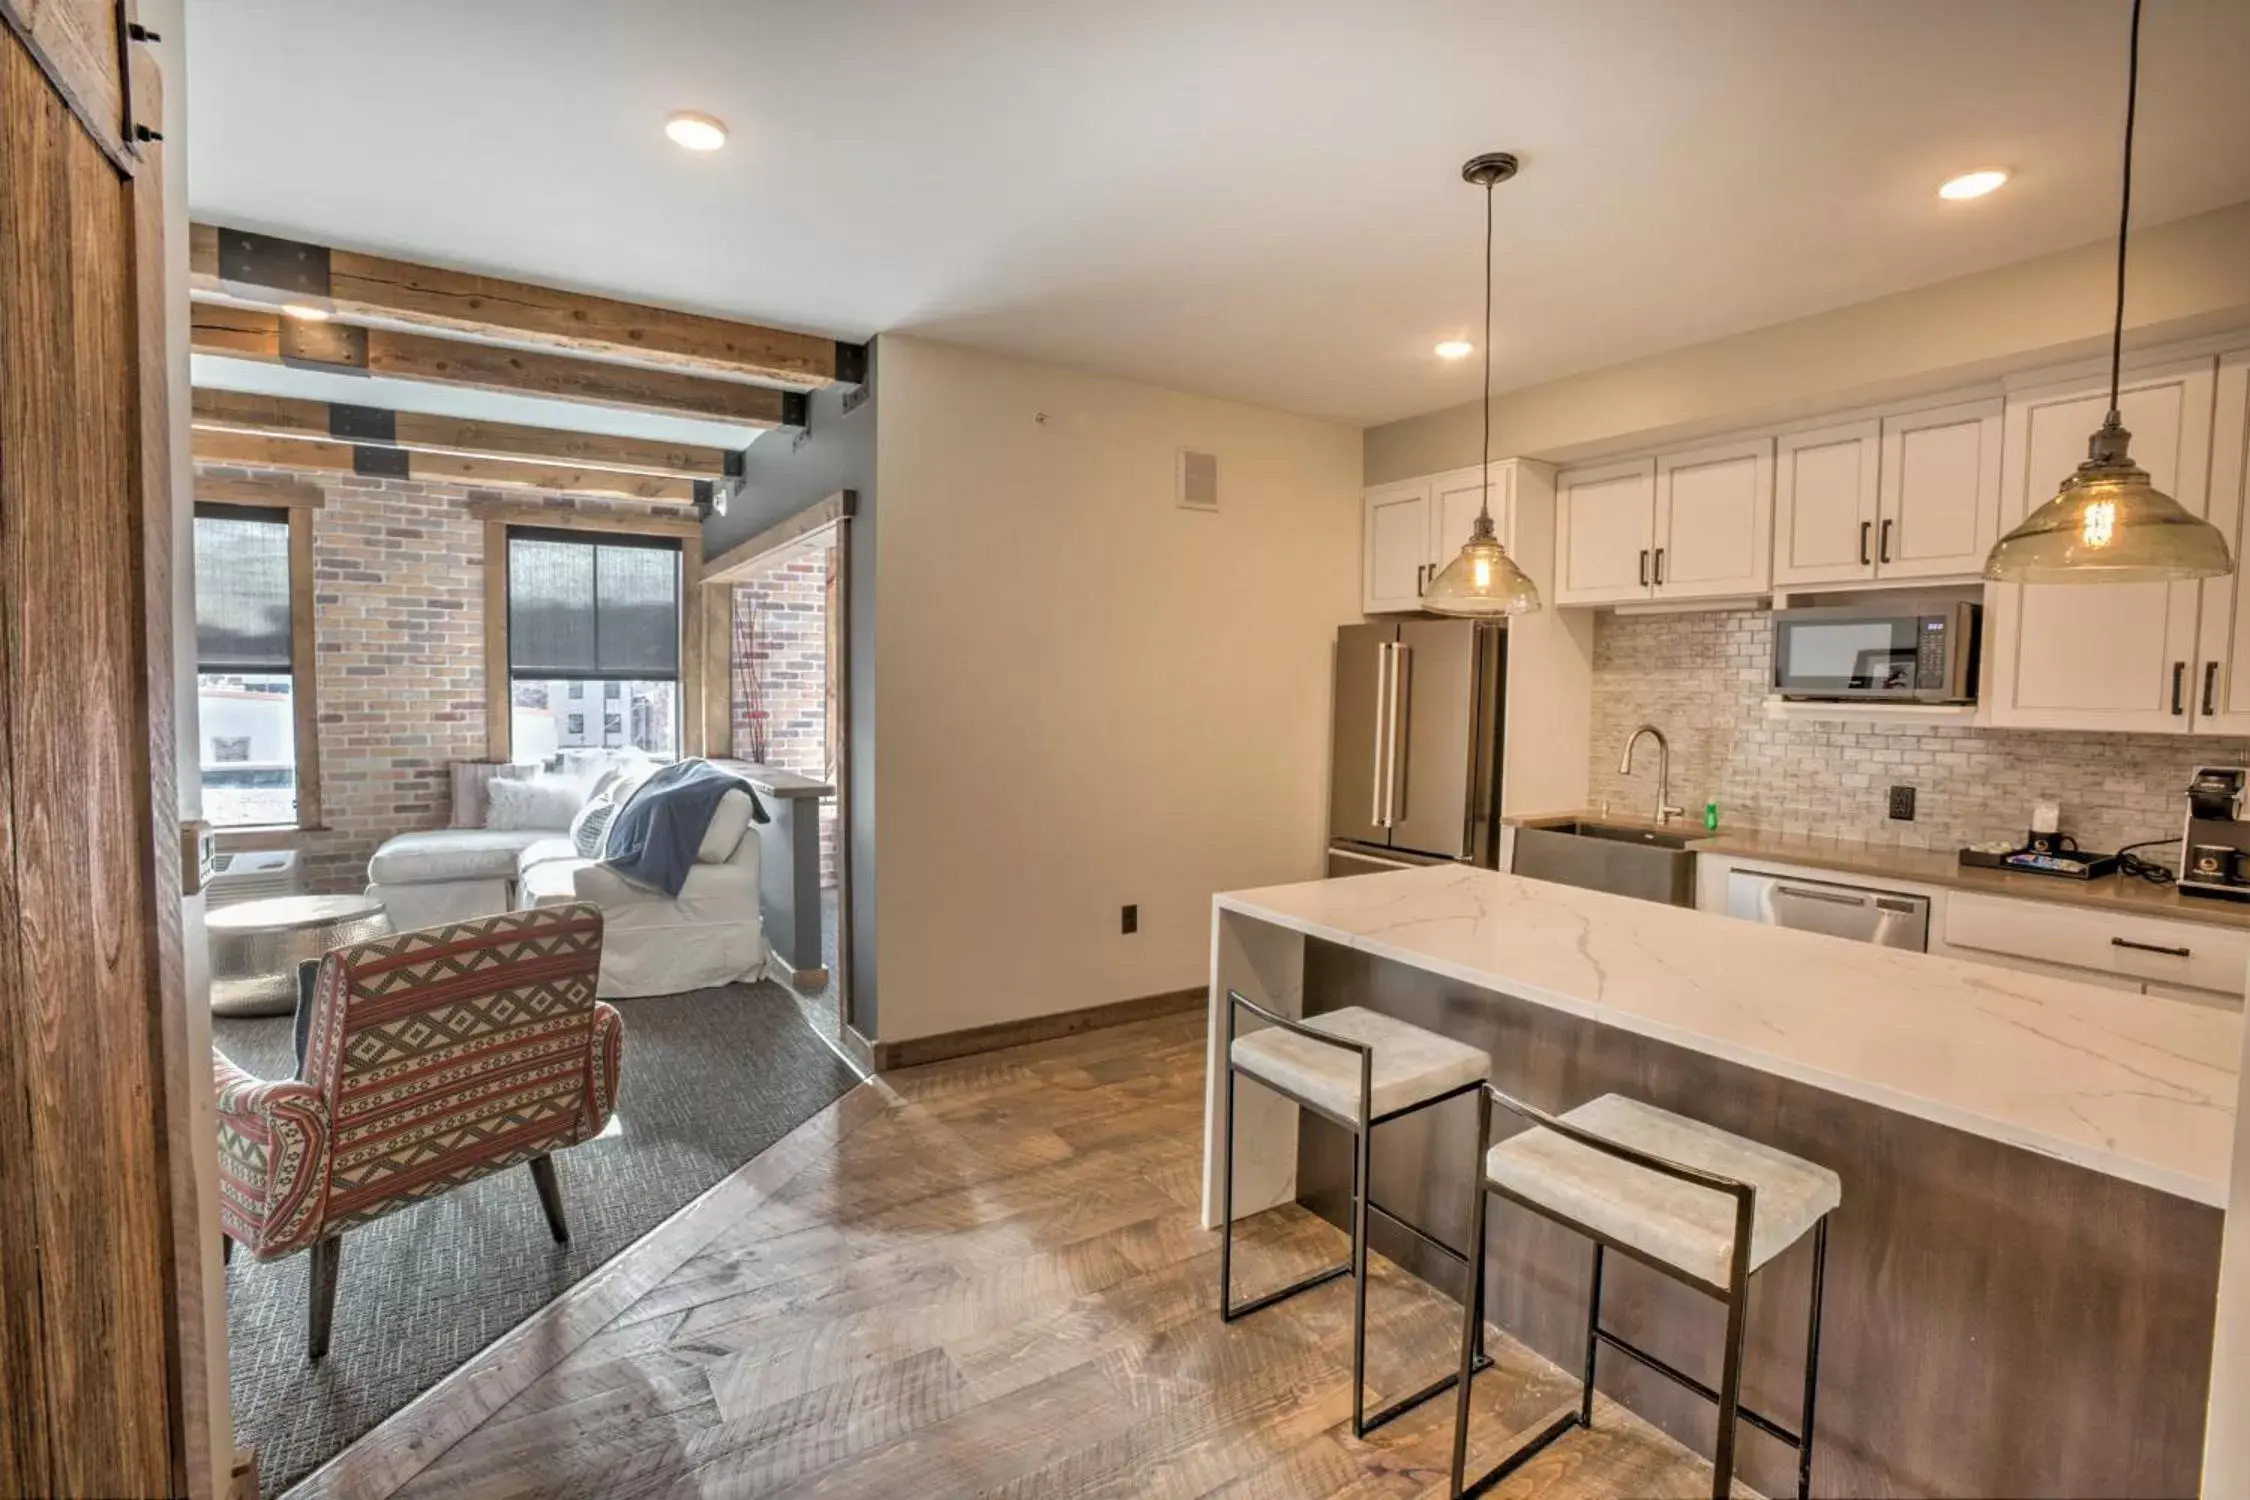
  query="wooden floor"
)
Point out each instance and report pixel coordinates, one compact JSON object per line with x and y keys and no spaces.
{"x":982,"y":1277}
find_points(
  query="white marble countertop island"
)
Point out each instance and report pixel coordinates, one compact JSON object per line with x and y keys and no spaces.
{"x":2134,"y":1086}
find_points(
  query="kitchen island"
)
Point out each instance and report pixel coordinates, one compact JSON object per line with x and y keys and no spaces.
{"x":2022,"y":1277}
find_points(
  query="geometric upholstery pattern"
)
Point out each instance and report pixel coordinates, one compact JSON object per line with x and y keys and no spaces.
{"x":433,"y":1058}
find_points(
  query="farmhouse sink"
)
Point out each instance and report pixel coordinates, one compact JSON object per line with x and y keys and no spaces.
{"x":1625,"y":861}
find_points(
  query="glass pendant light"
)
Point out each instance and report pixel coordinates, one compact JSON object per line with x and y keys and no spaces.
{"x":1483,"y":580}
{"x":2108,"y":523}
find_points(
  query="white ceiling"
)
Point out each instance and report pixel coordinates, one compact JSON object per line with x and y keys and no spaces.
{"x":1255,"y":200}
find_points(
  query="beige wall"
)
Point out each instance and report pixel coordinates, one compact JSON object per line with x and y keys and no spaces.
{"x":2188,"y":277}
{"x":1086,"y":695}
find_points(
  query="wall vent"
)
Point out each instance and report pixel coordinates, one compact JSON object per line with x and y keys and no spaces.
{"x":1198,"y":480}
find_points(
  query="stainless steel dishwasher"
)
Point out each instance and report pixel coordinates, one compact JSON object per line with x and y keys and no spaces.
{"x":1892,"y":919}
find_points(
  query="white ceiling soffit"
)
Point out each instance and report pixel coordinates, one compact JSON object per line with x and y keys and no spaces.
{"x":1252,"y":198}
{"x":217,"y":372}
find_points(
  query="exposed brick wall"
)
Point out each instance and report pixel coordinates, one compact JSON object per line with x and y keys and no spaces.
{"x":781,"y":675}
{"x":1702,"y":679}
{"x":398,"y":630}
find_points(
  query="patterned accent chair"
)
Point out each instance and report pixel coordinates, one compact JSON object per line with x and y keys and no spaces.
{"x":433,"y":1058}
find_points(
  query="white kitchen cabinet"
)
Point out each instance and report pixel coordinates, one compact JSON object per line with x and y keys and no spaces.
{"x":1454,"y":499}
{"x":1824,"y":504}
{"x":1605,"y":532}
{"x":2222,"y":672}
{"x":2099,"y":656}
{"x":1714,"y":522}
{"x":1417,"y":526}
{"x":1939,"y":508}
{"x":1396,"y":548}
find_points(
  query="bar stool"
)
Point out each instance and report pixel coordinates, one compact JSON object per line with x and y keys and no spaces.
{"x":1347,"y":1066}
{"x":1655,"y":1186}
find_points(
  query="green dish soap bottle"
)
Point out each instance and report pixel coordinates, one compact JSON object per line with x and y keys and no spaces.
{"x":1711,"y":817}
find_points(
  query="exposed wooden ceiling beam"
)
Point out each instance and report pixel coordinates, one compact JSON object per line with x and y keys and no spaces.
{"x":444,"y":468}
{"x":373,"y":290}
{"x":270,"y":338}
{"x":262,"y":491}
{"x":463,"y":437}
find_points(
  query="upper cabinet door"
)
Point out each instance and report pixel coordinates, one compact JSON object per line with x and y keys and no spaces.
{"x":1396,"y":547}
{"x":1824,"y":504}
{"x":1714,"y":522}
{"x":1941,"y":492}
{"x":2115,"y":656}
{"x":1454,"y":499}
{"x":1605,"y":534}
{"x":2222,"y":669}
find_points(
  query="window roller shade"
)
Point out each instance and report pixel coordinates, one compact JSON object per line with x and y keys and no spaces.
{"x":592,"y":609}
{"x":242,"y":593}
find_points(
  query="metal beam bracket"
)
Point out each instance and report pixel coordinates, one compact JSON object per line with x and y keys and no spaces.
{"x":269,"y":261}
{"x":382,"y":463}
{"x":362,"y":424}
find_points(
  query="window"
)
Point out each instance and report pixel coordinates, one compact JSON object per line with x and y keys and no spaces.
{"x":253,"y":694}
{"x":586,"y":608}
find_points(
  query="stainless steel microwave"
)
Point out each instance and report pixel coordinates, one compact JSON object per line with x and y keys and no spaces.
{"x":1866,"y":652}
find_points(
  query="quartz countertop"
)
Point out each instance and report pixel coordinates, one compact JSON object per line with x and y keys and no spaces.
{"x":1931,"y":867}
{"x":2140,"y":1087}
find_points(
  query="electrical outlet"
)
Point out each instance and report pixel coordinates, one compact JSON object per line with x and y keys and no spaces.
{"x":1902,"y":804}
{"x":1129,"y":920}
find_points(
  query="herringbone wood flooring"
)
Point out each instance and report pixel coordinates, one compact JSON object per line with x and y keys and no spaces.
{"x":986,"y":1279}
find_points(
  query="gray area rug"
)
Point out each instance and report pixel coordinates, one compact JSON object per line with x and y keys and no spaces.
{"x":711,"y":1079}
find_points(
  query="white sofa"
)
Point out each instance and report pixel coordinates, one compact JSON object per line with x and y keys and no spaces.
{"x":652,"y":944}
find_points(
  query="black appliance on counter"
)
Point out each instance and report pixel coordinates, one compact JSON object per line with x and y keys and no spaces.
{"x":2215,"y":847}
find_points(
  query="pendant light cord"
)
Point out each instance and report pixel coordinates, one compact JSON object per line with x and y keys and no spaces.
{"x":2124,"y":209}
{"x":1484,"y":495}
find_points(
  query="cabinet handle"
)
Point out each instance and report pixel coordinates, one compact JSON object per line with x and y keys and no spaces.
{"x":1883,"y":554}
{"x":2117,"y":942}
{"x":1866,"y":530}
{"x":2210,"y":689}
{"x":1660,"y":567}
{"x":1421,"y":573}
{"x":2179,"y":685}
{"x":1644,"y":567}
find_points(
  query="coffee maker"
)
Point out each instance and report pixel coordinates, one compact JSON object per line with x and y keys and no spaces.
{"x":2215,"y":849}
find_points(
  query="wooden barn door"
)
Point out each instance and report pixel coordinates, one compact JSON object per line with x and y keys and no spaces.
{"x":94,"y":1362}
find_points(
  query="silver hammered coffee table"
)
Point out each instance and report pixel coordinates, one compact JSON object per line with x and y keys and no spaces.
{"x":256,"y":946}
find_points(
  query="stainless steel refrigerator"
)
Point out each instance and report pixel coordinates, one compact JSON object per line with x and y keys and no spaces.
{"x":1416,"y":748}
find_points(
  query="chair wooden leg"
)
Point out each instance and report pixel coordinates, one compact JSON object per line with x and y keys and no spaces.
{"x":327,"y":1260}
{"x":550,"y":1197}
{"x":226,"y":1249}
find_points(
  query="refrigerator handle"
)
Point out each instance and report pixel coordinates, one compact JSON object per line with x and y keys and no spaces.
{"x":1402,"y":687}
{"x":1378,"y":778}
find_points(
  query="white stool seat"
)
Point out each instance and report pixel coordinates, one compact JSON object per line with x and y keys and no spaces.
{"x":1678,"y":1223}
{"x":1410,"y":1064}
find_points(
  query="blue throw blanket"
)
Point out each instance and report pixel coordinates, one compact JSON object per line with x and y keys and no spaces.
{"x":653,"y":838}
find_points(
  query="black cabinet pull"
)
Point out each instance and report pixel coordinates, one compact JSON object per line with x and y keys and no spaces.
{"x":1884,"y":555}
{"x":1865,"y":528}
{"x":2117,"y":942}
{"x":2210,"y":689}
{"x":2179,"y":685}
{"x":1660,"y":567}
{"x":1644,"y":567}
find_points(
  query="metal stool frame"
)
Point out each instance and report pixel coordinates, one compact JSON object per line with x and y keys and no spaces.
{"x":1362,"y":1205}
{"x":1735,"y":1293}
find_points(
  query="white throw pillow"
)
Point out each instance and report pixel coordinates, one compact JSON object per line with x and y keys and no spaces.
{"x":542,"y":804}
{"x":729,"y":821}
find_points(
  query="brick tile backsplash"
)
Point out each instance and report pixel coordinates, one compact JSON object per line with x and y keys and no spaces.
{"x":1702,"y":679}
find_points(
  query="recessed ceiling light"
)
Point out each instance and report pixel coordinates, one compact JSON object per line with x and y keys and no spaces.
{"x":305,"y":312}
{"x":1973,"y":184}
{"x":1455,"y":349}
{"x":694,"y":131}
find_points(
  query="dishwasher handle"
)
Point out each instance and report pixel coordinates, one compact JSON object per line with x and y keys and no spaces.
{"x":1833,"y":898}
